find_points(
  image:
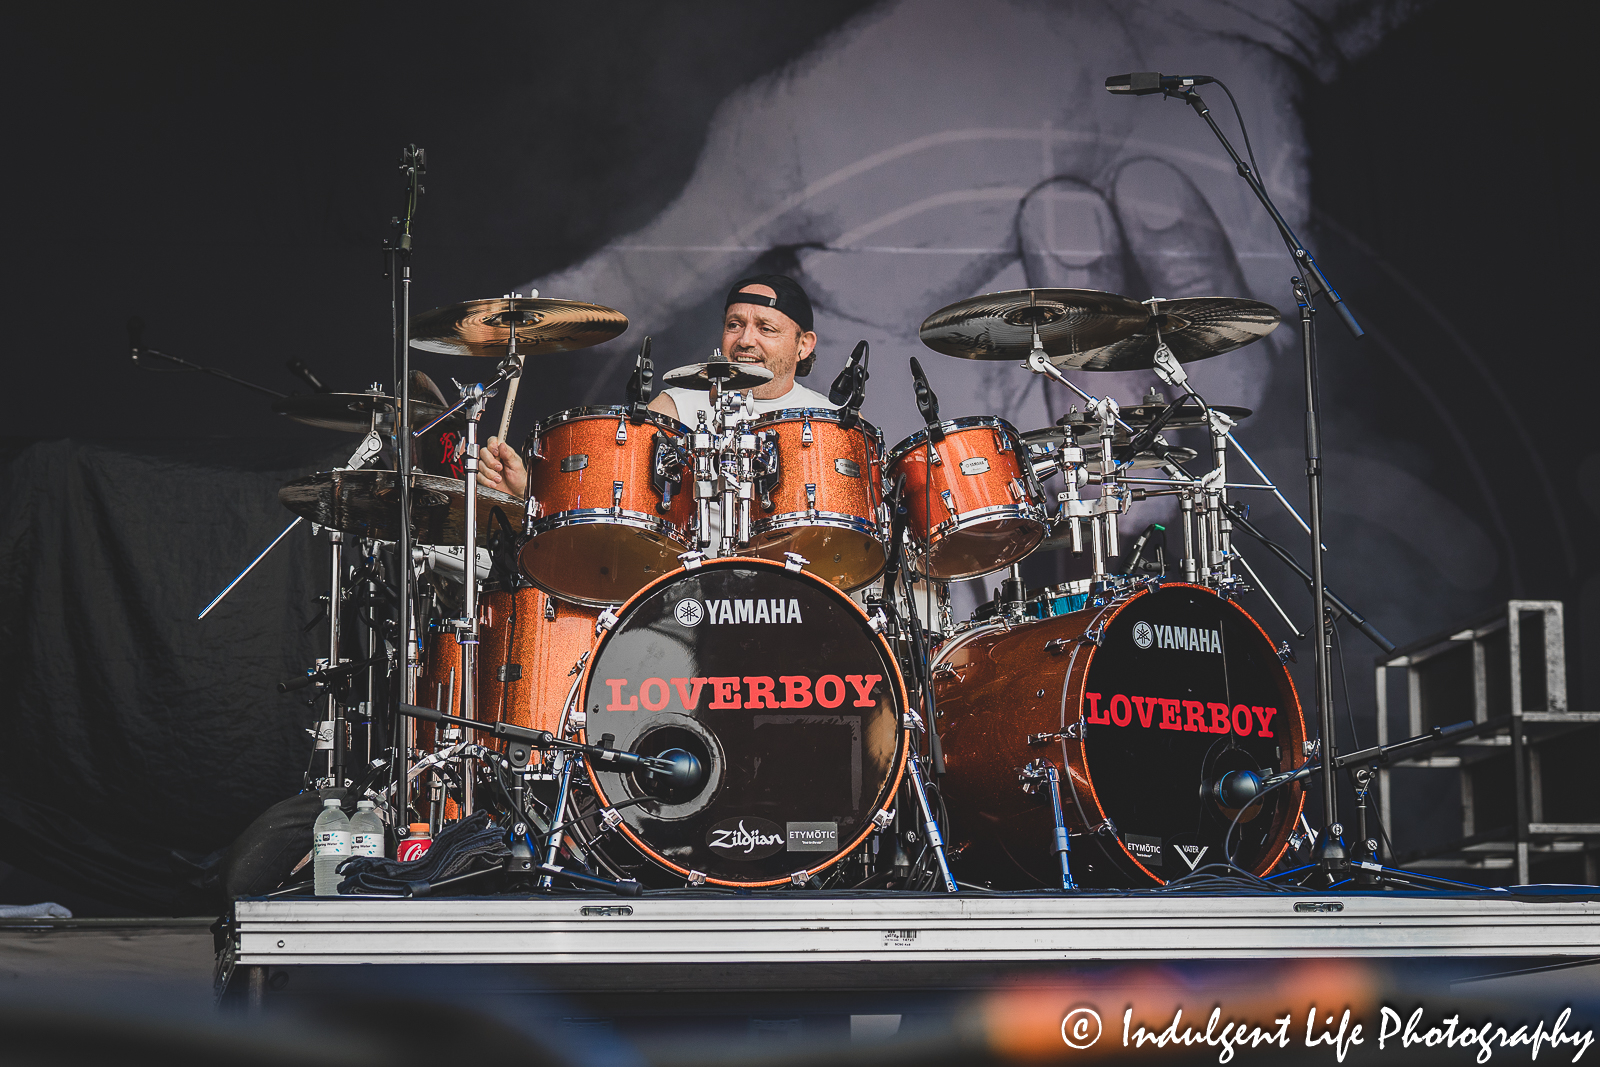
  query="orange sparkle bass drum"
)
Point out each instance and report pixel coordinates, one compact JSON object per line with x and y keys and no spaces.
{"x":794,"y":706}
{"x":1143,"y":704}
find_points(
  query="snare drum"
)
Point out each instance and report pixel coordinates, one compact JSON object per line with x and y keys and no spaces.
{"x":609,"y":507}
{"x":825,"y":500}
{"x":973,"y":503}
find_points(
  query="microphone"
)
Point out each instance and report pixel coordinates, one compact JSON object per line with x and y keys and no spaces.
{"x":1144,"y":83}
{"x":298,"y":368}
{"x":644,"y":373}
{"x":853,"y":377}
{"x":927,"y":400}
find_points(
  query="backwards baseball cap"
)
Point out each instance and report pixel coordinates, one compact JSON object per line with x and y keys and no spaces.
{"x":791,"y":299}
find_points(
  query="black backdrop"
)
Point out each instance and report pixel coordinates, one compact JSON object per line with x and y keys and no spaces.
{"x":229,"y":177}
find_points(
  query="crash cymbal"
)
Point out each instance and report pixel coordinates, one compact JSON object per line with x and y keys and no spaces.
{"x":730,"y":376}
{"x":483,"y":327}
{"x":1194,"y":328}
{"x":367,"y":503}
{"x":351,"y":412}
{"x":1086,"y":428}
{"x":1001,"y":325}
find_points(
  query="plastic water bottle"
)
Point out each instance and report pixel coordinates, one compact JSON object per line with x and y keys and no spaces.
{"x":366,"y":831}
{"x":330,"y":846}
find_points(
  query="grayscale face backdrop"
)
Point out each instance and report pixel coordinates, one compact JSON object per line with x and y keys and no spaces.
{"x":231,"y":184}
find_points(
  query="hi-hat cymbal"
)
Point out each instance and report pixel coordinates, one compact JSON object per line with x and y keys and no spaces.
{"x":731,"y":377}
{"x":1194,"y":328}
{"x":483,"y":327}
{"x":367,"y":503}
{"x":1001,"y":325}
{"x":351,"y":412}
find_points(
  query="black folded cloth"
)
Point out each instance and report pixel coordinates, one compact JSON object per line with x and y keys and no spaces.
{"x":457,"y":850}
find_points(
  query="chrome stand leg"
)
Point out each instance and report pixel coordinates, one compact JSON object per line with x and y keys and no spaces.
{"x":930,"y":825}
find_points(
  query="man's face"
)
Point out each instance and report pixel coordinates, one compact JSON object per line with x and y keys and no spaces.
{"x":754,"y":334}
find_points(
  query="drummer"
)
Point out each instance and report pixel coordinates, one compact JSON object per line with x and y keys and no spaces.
{"x":767,"y":321}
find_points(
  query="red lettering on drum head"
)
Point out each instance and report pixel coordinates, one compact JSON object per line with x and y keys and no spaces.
{"x":1169,"y":715}
{"x":1096,"y":715}
{"x":616,"y":704}
{"x":863,"y":684}
{"x":837,"y":684}
{"x":689,"y":697}
{"x":1121,"y":710}
{"x":1194,"y":717}
{"x":1241,"y":730}
{"x":761,"y":695}
{"x":644,"y":694}
{"x":1265,"y":716}
{"x":724,"y":693}
{"x":796,"y":691}
{"x":1146,"y":707}
{"x":1219,"y":718}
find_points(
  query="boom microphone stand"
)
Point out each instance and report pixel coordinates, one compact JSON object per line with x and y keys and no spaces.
{"x":413,"y":164}
{"x":1308,"y":285}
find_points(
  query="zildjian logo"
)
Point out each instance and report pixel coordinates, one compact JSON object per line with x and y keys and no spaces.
{"x":742,"y":839}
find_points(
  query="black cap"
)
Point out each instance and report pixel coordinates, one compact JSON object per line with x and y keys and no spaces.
{"x":791,"y":299}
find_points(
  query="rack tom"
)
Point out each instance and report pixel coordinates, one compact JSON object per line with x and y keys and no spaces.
{"x":609,"y":507}
{"x":825,"y":499}
{"x":973,"y":503}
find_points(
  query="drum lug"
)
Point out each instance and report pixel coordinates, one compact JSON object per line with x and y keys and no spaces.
{"x":577,"y":668}
{"x":883,"y":818}
{"x":616,"y":499}
{"x":793,"y":561}
{"x":622,"y":431}
{"x":811,"y":501}
{"x":550,"y":609}
{"x":1033,"y":775}
{"x":933,"y":457}
{"x":1018,"y":493}
{"x":947,"y":669}
{"x":944,"y":494}
{"x":1092,"y":637}
{"x":697,"y":878}
{"x":1000,"y":443}
{"x":1286,"y":654}
{"x":805,"y":432}
{"x":1056,"y":646}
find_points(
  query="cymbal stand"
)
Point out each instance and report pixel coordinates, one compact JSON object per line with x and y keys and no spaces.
{"x":369,"y":449}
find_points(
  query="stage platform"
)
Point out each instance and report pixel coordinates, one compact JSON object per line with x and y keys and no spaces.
{"x":684,"y":941}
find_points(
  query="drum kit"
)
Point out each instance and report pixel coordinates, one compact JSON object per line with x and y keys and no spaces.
{"x":725,"y":654}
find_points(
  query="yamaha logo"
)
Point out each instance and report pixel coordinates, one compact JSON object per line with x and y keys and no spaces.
{"x":1143,"y":635}
{"x":689,"y":613}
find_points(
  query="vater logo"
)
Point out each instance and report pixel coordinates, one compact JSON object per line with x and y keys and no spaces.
{"x":729,"y":612}
{"x":1191,"y":854}
{"x":1183,"y":638}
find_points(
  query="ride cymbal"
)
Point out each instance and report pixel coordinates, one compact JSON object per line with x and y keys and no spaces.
{"x":1194,"y":328}
{"x":1001,"y":325}
{"x":483,"y":327}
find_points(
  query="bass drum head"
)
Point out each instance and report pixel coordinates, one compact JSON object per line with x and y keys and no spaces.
{"x":1183,"y":688}
{"x":774,"y":681}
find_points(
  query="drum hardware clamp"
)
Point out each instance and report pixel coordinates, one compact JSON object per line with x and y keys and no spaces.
{"x":697,"y":878}
{"x":1075,"y":731}
{"x":882,"y":818}
{"x":794,"y":561}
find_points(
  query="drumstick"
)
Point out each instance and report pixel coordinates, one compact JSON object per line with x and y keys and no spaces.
{"x":511,"y":402}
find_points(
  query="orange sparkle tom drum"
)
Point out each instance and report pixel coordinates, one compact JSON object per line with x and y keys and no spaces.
{"x":973,"y":503}
{"x":825,"y":500}
{"x":609,"y":508}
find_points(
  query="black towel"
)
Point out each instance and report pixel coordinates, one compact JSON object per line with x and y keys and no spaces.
{"x":455,"y":851}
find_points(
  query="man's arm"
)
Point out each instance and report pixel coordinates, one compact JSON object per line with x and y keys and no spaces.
{"x":665,"y":405}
